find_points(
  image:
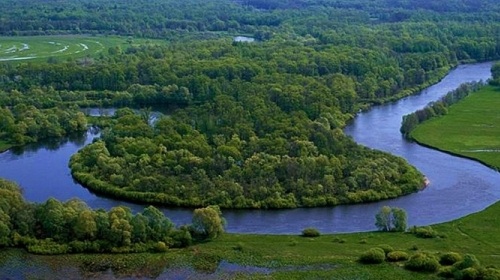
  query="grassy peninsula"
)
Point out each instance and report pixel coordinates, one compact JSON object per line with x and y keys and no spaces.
{"x":470,"y":128}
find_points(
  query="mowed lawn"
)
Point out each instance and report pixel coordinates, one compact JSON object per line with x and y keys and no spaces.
{"x":471,"y":128}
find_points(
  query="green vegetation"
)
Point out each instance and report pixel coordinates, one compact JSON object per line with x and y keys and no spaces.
{"x":55,"y":49}
{"x":257,"y":125}
{"x":469,"y":129}
{"x":437,"y":108}
{"x":391,"y":219}
{"x":470,"y":242}
{"x":54,"y":227}
{"x":310,"y":232}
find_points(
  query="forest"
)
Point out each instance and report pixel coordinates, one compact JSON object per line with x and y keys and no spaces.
{"x":248,"y":124}
{"x":55,"y":227}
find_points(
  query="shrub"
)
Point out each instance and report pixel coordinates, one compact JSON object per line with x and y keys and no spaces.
{"x":239,"y":246}
{"x":372,"y":256}
{"x":489,"y":273}
{"x":450,"y":258}
{"x":397,"y":256}
{"x":338,"y":240}
{"x":310,"y":232}
{"x":424,"y":232}
{"x":468,"y":261}
{"x":161,"y":247}
{"x":446,"y":272}
{"x":387,"y":248}
{"x":469,"y":273}
{"x":422,"y":262}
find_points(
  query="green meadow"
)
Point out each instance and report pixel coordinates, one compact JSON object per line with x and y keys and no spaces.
{"x":332,"y":256}
{"x":41,"y":48}
{"x":470,"y":129}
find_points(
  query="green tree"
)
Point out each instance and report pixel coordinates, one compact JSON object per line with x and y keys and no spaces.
{"x":208,"y":222}
{"x":391,"y":219}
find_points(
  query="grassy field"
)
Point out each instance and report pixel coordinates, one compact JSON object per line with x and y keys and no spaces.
{"x":44,"y":47}
{"x":471,"y":128}
{"x":292,"y":257}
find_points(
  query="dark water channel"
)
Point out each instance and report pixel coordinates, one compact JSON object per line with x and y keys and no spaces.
{"x":458,"y":186}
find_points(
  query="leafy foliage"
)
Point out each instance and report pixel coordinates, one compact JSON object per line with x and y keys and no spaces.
{"x":397,"y":256}
{"x":208,"y":222}
{"x":311,"y":232}
{"x":54,"y":227}
{"x":422,"y":262}
{"x":391,"y":219}
{"x":372,"y":256}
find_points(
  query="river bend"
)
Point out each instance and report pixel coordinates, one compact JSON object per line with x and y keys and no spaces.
{"x":458,"y":186}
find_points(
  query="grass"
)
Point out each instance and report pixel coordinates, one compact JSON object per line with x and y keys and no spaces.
{"x":470,"y":129}
{"x":295,"y":257}
{"x":41,"y":48}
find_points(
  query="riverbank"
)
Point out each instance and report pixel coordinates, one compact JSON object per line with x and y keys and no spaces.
{"x":250,"y":256}
{"x":469,"y":129}
{"x":4,"y":146}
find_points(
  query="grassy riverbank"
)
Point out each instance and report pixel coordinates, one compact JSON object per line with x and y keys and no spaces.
{"x":243,"y":256}
{"x":470,"y":128}
{"x":4,"y":146}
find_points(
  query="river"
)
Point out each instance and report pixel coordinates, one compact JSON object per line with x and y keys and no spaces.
{"x":458,"y":186}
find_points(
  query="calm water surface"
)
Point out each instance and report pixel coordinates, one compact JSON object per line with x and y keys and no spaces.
{"x":458,"y":186}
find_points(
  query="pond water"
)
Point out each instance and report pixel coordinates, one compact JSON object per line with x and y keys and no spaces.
{"x":458,"y":186}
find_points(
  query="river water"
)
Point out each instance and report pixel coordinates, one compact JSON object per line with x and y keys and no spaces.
{"x":458,"y":186}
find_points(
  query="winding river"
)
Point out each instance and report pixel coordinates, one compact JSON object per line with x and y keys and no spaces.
{"x":458,"y":186}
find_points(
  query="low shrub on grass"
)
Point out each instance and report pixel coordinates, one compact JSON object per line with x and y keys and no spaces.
{"x":424,"y":232}
{"x":422,"y":262}
{"x":387,"y":248}
{"x":468,"y":261}
{"x":469,"y":273}
{"x":446,"y":272}
{"x":338,"y":240}
{"x":310,"y":232}
{"x":397,"y":256}
{"x":372,"y":256}
{"x":450,"y":258}
{"x":239,"y":247}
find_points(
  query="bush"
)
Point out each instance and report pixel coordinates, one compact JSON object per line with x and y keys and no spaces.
{"x":397,"y":256}
{"x":468,"y":261}
{"x":469,"y":273}
{"x":450,"y":258}
{"x":161,"y":247}
{"x":240,"y":246}
{"x":387,"y":248}
{"x":310,"y":232}
{"x":489,"y":273}
{"x":338,"y":240}
{"x":372,"y":256}
{"x":424,"y":232}
{"x":446,"y":272}
{"x":422,"y":262}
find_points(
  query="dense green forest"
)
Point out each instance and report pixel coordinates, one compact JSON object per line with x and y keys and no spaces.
{"x":256,"y":125}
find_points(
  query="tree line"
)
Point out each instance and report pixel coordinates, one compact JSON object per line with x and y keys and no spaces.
{"x":55,"y":227}
{"x":438,"y":108}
